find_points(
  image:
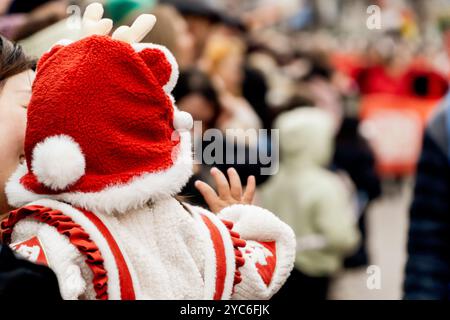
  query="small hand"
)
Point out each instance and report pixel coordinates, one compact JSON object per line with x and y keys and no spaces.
{"x":229,"y":193}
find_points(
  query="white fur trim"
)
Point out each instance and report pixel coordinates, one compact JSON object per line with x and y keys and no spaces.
{"x":229,"y":252}
{"x":58,"y":162}
{"x":62,"y":42}
{"x":168,"y":87}
{"x":182,"y":120}
{"x":117,"y":198}
{"x":258,"y":224}
{"x":109,"y":261}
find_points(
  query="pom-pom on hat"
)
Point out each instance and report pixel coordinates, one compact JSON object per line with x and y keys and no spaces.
{"x":103,"y":132}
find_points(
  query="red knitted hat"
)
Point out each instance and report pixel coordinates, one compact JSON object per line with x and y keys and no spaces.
{"x":103,"y":132}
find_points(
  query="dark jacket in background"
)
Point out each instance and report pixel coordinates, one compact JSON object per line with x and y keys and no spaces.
{"x":427,"y":273}
{"x":254,"y":89}
{"x":21,"y":279}
{"x":354,"y":156}
{"x":25,"y":6}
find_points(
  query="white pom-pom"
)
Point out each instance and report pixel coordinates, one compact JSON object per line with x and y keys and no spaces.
{"x":58,"y":162}
{"x":182,"y":121}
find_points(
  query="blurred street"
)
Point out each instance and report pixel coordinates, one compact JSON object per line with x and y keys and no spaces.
{"x":387,"y":236}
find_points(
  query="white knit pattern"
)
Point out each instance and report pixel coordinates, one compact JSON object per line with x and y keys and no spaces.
{"x":167,"y":251}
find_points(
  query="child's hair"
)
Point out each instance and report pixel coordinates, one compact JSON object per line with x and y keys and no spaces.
{"x":12,"y":59}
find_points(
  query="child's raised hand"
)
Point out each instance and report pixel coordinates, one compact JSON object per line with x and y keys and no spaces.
{"x":229,"y":193}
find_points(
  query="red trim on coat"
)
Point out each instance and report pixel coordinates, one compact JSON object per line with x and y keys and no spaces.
{"x":266,"y":271}
{"x":221,"y":260}
{"x":126,"y":282}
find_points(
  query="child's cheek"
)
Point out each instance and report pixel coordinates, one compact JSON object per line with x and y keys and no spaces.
{"x":12,"y":127}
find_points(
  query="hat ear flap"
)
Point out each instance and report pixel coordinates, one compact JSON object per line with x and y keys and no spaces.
{"x":162,"y":63}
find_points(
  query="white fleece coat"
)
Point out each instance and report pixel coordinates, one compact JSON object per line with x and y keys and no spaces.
{"x":167,"y":250}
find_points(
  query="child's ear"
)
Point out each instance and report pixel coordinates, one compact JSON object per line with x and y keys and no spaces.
{"x":55,"y":48}
{"x":162,"y":63}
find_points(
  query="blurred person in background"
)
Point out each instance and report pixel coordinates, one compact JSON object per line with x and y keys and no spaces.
{"x":395,"y":67}
{"x":354,"y":156}
{"x":223,"y":61}
{"x":427,"y":271}
{"x":253,"y":85}
{"x":64,"y":23}
{"x":313,"y":201}
{"x":21,"y":18}
{"x":260,"y":14}
{"x":68,"y":25}
{"x":19,"y":279}
{"x":206,"y":23}
{"x":196,"y":94}
{"x":171,"y":31}
{"x":319,"y":81}
{"x":386,"y":68}
{"x":267,"y":57}
{"x":201,"y":19}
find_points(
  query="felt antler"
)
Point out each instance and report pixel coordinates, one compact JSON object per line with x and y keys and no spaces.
{"x":92,"y":22}
{"x":138,"y":30}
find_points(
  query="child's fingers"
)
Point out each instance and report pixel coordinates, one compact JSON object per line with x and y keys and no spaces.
{"x":249,"y":190}
{"x":235,"y":184}
{"x":207,"y":193}
{"x":221,"y":181}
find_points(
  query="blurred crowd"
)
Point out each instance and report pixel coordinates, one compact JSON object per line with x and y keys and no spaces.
{"x":351,"y":104}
